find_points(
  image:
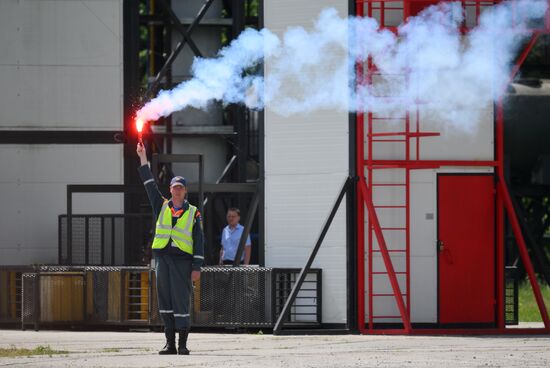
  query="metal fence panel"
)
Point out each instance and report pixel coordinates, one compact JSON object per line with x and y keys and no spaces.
{"x":226,"y":297}
{"x":100,"y":239}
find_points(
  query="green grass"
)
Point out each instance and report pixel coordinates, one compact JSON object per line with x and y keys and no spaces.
{"x":12,"y":351}
{"x":528,"y":308}
{"x":111,"y":350}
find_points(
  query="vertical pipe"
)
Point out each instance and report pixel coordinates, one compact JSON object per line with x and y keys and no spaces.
{"x":418,"y":131}
{"x":319,"y":289}
{"x":131,"y":80}
{"x":36,"y":292}
{"x":261,"y":188}
{"x":131,"y":97}
{"x":360,"y":225}
{"x":69,"y":225}
{"x":351,"y":205}
{"x":370,"y":173}
{"x":500,"y":241}
{"x":86,"y":240}
{"x":360,"y":158}
{"x":239,"y":112}
{"x":150,"y":294}
{"x":201,"y":182}
{"x":168,"y":120}
{"x":122,"y":295}
{"x":151,"y":56}
{"x":407,"y":215}
{"x":59,"y":241}
{"x":112,"y":240}
{"x":102,"y":261}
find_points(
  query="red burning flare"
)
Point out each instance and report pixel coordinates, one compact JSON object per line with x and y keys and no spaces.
{"x":139,"y":126}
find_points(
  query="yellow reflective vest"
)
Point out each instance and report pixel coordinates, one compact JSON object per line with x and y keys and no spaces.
{"x":181,"y":233}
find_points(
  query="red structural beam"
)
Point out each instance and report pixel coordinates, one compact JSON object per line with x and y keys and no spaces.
{"x":373,"y":218}
{"x":503,"y":192}
{"x":423,"y":164}
{"x":524,"y":55}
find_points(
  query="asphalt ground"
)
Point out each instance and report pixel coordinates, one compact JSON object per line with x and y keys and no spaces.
{"x":139,"y":349}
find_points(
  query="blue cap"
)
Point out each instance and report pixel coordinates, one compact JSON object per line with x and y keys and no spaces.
{"x":178,"y":180}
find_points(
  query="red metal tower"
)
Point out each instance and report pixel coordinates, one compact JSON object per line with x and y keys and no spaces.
{"x":407,"y":131}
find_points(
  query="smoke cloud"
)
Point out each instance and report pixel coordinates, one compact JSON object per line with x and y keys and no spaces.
{"x":429,"y":63}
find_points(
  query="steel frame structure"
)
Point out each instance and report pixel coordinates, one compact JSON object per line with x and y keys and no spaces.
{"x":364,"y":124}
{"x":164,"y":26}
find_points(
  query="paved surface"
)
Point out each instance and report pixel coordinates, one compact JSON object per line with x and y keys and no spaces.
{"x":139,"y":349}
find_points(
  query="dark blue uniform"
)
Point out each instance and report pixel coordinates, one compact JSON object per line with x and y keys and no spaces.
{"x":173,"y":266}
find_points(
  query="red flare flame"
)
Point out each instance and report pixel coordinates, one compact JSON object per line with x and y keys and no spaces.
{"x":139,"y":126}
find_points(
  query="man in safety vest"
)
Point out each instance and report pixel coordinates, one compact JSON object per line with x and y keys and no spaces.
{"x":178,"y":251}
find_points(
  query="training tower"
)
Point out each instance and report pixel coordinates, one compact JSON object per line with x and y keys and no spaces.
{"x":419,"y":243}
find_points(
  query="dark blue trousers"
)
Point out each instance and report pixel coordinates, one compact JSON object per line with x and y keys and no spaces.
{"x":174,"y":287}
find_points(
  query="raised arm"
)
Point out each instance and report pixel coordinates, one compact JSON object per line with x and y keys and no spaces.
{"x":142,"y":154}
{"x":155,"y":197}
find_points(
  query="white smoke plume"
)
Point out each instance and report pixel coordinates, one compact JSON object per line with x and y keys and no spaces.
{"x":429,"y":63}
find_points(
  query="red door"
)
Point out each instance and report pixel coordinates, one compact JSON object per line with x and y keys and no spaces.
{"x":466,"y":248}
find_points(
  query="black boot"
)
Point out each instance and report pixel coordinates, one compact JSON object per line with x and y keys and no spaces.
{"x":170,"y":347}
{"x":182,"y":343}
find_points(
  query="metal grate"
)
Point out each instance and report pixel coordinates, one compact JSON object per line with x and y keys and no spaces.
{"x":233,"y":297}
{"x":511,"y":296}
{"x":10,"y":295}
{"x":29,"y":302}
{"x":94,"y":240}
{"x":100,"y":296}
{"x":306,"y":310}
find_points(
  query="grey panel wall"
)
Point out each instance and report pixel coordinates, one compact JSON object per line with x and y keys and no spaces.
{"x":306,"y":163}
{"x":60,"y":69}
{"x":61,"y":64}
{"x":33,"y":193}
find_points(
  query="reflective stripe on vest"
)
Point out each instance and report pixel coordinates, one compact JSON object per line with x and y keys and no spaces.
{"x":181,"y":234}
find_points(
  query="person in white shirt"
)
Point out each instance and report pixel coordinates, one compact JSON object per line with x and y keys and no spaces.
{"x":231,"y":235}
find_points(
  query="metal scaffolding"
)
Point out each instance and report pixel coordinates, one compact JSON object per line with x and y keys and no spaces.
{"x":157,"y":37}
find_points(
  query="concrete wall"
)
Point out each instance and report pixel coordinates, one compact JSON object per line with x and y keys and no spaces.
{"x":60,"y":69}
{"x":306,"y":163}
